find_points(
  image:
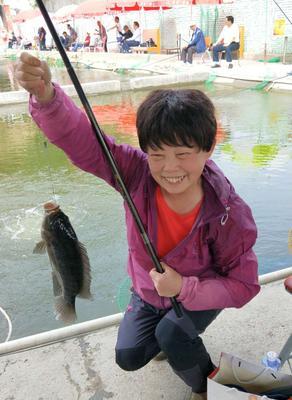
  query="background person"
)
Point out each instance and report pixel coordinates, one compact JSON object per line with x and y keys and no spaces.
{"x":117,"y":26}
{"x":202,"y":230}
{"x":103,"y":35}
{"x":65,"y":40}
{"x":85,"y":44}
{"x":228,"y":41}
{"x":127,"y":34}
{"x":42,"y":38}
{"x":135,"y":39}
{"x":12,"y":40}
{"x":72,"y":35}
{"x":196,"y":45}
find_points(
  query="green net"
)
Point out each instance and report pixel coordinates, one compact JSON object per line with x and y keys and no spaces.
{"x":261,"y":85}
{"x":124,"y":294}
{"x":209,"y":82}
{"x":272,"y":60}
{"x":216,"y":16}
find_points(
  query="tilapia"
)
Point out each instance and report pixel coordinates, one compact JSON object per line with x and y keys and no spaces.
{"x":69,"y":260}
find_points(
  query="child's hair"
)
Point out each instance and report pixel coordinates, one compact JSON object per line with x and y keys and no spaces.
{"x":176,"y":118}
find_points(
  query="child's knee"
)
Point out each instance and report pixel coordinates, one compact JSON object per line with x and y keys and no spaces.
{"x":130,"y":359}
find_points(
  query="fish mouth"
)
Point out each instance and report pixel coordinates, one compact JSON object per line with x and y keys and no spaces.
{"x":51,"y":207}
{"x":173,"y":179}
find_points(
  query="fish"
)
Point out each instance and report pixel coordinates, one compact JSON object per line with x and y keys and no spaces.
{"x":71,"y":271}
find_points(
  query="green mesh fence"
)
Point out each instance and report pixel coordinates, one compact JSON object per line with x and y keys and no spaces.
{"x":124,"y":294}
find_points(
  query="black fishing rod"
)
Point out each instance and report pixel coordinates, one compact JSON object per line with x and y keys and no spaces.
{"x":108,"y":154}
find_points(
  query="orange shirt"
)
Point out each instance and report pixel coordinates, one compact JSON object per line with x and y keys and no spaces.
{"x":172,"y":227}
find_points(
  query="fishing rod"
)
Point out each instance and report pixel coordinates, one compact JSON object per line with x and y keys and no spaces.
{"x":108,"y":154}
{"x":277,"y":4}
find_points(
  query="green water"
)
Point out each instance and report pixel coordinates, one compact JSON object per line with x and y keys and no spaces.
{"x":255,"y":152}
{"x":85,"y":73}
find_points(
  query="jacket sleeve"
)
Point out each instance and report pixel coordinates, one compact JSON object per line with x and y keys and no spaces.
{"x":198,"y":37}
{"x":68,"y":127}
{"x":236,"y":269}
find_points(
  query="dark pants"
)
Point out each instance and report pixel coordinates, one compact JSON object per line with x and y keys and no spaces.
{"x":127,"y":44}
{"x":187,"y":54}
{"x":145,"y":331}
{"x":228,"y":50}
{"x":43,"y":44}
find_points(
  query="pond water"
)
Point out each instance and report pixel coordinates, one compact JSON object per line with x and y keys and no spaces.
{"x":60,"y":74}
{"x":254,"y":149}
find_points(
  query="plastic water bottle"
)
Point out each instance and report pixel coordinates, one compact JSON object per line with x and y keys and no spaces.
{"x":271,"y":360}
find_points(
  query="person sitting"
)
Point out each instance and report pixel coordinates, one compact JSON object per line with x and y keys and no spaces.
{"x":65,"y":40}
{"x":12,"y":40}
{"x":86,"y":43}
{"x":197,"y":44}
{"x":134,"y":41}
{"x":127,"y":34}
{"x":228,"y":41}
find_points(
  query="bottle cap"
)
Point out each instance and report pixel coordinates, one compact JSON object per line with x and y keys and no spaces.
{"x":272,"y":355}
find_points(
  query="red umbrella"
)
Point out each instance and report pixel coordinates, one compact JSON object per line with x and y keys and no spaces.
{"x":27,"y":14}
{"x":211,"y":1}
{"x":91,"y":8}
{"x":65,"y":13}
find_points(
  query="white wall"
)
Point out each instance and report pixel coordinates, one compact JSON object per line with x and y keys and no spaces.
{"x":257,"y":17}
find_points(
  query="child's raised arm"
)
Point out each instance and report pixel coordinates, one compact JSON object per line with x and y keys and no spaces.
{"x":68,"y":127}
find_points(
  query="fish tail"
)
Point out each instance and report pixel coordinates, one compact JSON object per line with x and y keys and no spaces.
{"x":65,"y":311}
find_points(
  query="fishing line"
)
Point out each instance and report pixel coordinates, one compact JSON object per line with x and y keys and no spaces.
{"x":9,"y":324}
{"x":50,"y":169}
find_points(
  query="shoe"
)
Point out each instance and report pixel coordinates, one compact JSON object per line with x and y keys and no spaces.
{"x":216,"y":66}
{"x":230,"y":66}
{"x":199,"y":396}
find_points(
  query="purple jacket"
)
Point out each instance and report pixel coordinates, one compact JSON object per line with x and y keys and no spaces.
{"x":216,"y":259}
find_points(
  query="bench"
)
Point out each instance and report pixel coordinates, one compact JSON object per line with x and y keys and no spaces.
{"x":153,"y":34}
{"x":174,"y":50}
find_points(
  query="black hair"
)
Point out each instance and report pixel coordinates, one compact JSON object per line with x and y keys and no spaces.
{"x":230,"y":18}
{"x":176,"y":118}
{"x":136,"y":23}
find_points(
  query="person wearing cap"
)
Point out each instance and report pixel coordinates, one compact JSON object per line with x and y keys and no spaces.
{"x":197,"y":44}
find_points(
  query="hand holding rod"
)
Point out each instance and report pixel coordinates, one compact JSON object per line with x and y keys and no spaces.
{"x":126,"y":195}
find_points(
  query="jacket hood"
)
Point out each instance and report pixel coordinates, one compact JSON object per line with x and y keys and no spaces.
{"x":216,"y":178}
{"x":219,"y":189}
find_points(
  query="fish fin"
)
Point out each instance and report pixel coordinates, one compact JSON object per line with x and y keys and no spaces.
{"x":64,"y":311}
{"x":85,"y":289}
{"x":57,"y":288}
{"x":40,"y":247}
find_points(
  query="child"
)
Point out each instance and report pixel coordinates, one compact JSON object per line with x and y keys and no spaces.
{"x":202,"y":230}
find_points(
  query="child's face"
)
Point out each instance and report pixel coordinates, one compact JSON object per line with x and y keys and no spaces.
{"x":177,"y":169}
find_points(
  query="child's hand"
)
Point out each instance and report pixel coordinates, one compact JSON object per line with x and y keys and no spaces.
{"x":34,"y":76}
{"x":169,"y":283}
